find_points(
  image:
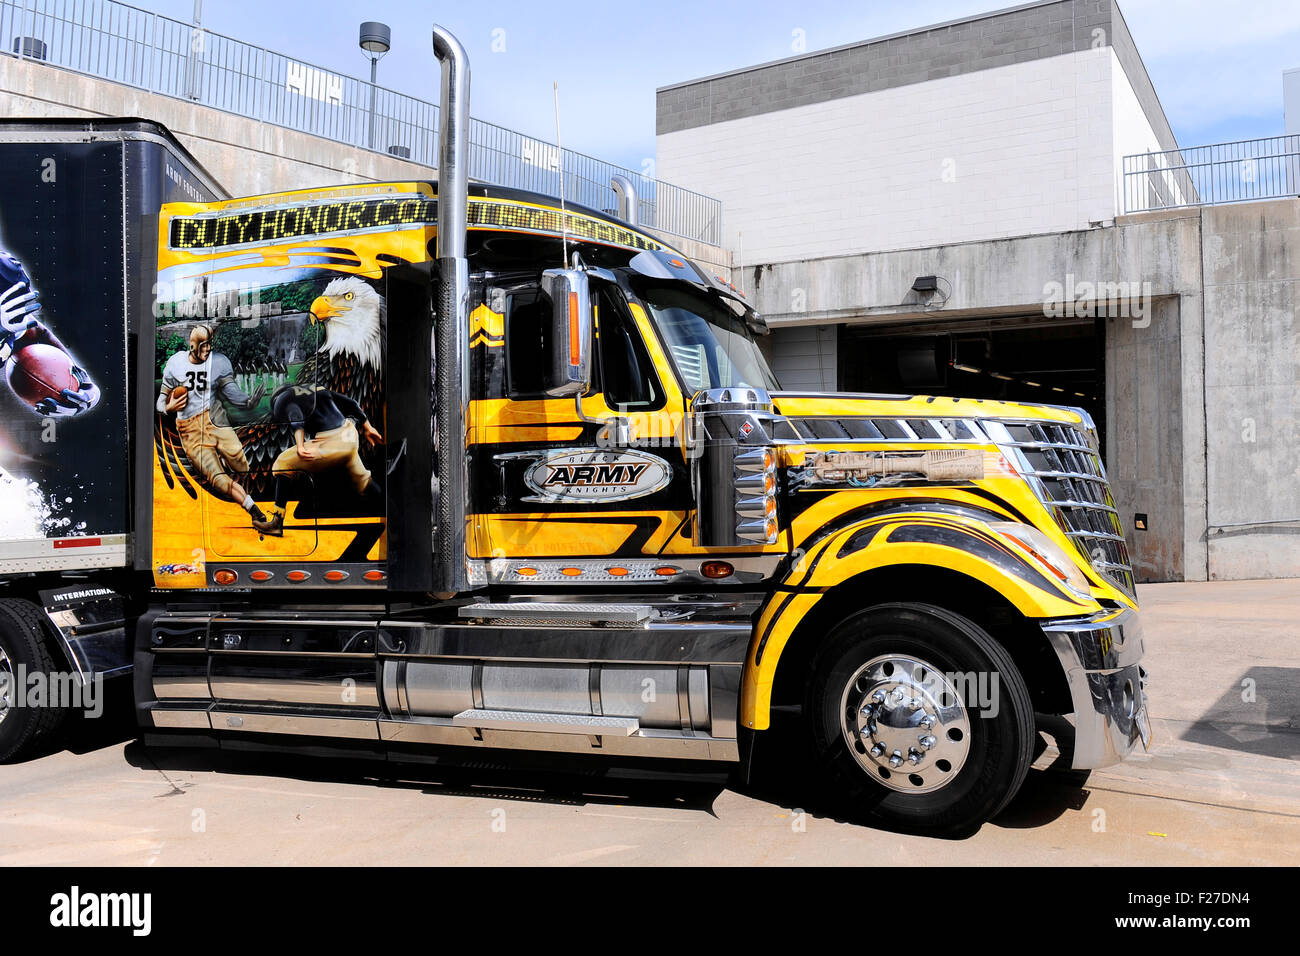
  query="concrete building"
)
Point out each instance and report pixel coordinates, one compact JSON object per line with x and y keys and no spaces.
{"x":988,"y":153}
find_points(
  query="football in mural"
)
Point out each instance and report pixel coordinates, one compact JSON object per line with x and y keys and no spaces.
{"x":38,"y":372}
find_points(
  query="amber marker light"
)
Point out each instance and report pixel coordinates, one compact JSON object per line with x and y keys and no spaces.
{"x":665,"y":571}
{"x":526,"y":572}
{"x":297,"y":576}
{"x":571,"y":572}
{"x":261,"y":576}
{"x":374,"y":575}
{"x":575,"y":357}
{"x":336,"y":575}
{"x":225,"y":576}
{"x":716,"y":569}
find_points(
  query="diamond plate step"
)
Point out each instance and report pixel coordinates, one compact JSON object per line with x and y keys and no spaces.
{"x":558,"y":611}
{"x":546,"y":723}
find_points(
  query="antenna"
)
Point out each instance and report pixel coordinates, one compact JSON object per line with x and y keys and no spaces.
{"x":740,"y":254}
{"x":559,"y":145}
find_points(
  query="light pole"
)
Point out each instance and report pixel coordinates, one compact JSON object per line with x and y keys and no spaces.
{"x":375,"y":41}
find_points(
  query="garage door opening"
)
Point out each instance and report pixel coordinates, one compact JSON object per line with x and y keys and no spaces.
{"x":1017,"y":359}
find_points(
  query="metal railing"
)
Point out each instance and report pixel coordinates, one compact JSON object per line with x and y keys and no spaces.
{"x":117,"y":42}
{"x":1240,"y":171}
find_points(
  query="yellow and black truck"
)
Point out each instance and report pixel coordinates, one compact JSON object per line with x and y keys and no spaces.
{"x":441,"y":464}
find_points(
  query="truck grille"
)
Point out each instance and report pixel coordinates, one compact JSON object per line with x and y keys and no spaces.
{"x":1069,"y":478}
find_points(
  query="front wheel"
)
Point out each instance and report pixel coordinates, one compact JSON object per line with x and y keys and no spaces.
{"x":918,"y":715}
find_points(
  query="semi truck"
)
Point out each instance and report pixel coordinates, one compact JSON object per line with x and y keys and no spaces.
{"x":439,"y":464}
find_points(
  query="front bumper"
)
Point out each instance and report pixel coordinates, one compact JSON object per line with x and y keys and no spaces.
{"x":1100,"y":656}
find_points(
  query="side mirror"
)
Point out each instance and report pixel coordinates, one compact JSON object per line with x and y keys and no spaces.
{"x":570,"y":293}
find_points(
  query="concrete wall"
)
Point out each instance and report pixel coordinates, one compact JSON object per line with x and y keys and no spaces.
{"x":1155,"y":422}
{"x":1202,"y":361}
{"x":1252,"y":387}
{"x":246,"y":156}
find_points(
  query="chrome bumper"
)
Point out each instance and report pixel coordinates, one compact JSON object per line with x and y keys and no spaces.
{"x":1100,"y":657}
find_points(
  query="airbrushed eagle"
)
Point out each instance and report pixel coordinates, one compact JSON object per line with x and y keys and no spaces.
{"x":349,"y":361}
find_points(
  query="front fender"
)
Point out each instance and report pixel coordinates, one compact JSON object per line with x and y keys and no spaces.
{"x":952,"y":541}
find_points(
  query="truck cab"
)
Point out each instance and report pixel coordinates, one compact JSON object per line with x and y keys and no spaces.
{"x":656,"y":544}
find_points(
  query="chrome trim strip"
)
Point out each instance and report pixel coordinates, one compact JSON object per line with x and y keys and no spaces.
{"x":247,"y":688}
{"x":563,"y":612}
{"x":355,"y":728}
{"x":750,"y":569}
{"x":182,"y":718}
{"x":684,"y":700}
{"x":643,"y":743}
{"x":535,"y":721}
{"x":593,"y":690}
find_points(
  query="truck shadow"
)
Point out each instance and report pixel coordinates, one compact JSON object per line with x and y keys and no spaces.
{"x":494,"y":775}
{"x":780,"y":775}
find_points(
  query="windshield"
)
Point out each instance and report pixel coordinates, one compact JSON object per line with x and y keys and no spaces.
{"x":709,"y":344}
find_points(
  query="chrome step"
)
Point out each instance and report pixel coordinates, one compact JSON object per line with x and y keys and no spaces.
{"x":560,"y":612}
{"x":546,"y":723}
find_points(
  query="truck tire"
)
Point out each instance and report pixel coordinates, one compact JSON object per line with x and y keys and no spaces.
{"x":22,"y":641}
{"x":920,"y":717}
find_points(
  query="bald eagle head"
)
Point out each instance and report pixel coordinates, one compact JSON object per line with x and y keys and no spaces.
{"x":352,"y":314}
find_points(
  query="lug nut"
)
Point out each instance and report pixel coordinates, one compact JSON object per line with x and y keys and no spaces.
{"x":877,"y":750}
{"x":915,"y":756}
{"x":899,"y":695}
{"x":878,"y":697}
{"x":927,"y":722}
{"x":915,"y":703}
{"x":895,"y":759}
{"x":928,"y":741}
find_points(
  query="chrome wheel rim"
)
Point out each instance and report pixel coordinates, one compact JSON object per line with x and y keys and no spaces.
{"x":905,"y":724}
{"x":7,"y":685}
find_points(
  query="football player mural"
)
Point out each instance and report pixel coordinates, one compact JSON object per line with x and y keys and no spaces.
{"x":39,"y":369}
{"x":197,"y":385}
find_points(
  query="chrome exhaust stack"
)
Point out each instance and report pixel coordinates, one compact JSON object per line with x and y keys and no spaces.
{"x":451,"y":338}
{"x":628,"y":208}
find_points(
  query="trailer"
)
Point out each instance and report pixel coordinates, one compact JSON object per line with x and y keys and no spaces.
{"x":79,"y":211}
{"x":427,"y":465}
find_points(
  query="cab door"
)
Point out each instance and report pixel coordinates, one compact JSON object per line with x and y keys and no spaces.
{"x":581,"y":489}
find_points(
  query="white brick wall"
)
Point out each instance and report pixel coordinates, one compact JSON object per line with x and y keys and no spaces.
{"x":1028,"y":148}
{"x":1132,"y":134}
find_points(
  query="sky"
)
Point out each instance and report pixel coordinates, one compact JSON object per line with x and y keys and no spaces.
{"x":1216,"y":66}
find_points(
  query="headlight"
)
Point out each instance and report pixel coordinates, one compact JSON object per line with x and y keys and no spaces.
{"x":1046,"y":552}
